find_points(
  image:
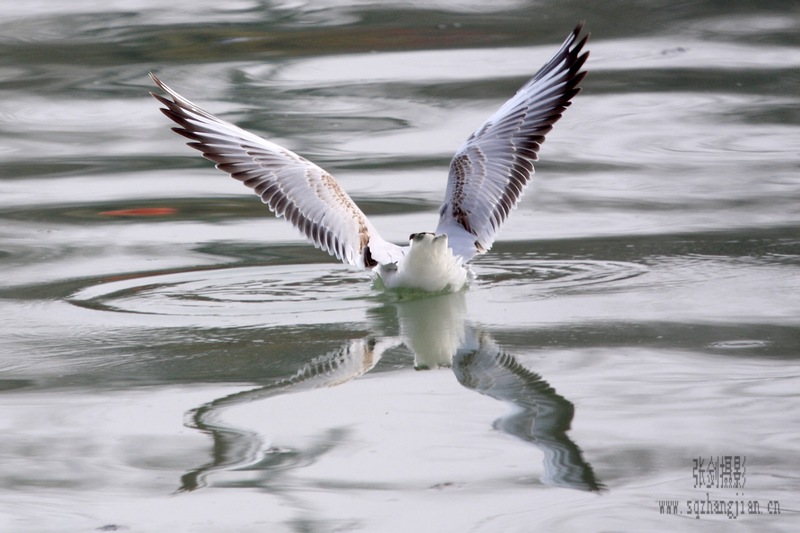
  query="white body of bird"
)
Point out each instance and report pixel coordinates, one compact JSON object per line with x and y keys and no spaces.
{"x":428,"y":265}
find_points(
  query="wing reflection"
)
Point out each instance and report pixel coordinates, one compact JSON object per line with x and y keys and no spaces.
{"x":235,"y":448}
{"x":435,"y":330}
{"x":541,"y":416}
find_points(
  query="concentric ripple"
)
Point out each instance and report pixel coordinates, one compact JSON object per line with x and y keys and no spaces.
{"x":311,"y":288}
{"x":559,"y":274}
{"x":236,"y":292}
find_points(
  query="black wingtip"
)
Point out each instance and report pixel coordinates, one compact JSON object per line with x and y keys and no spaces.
{"x":155,"y":79}
{"x":579,"y":29}
{"x":581,"y":41}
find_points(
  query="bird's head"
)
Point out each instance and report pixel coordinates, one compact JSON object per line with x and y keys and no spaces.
{"x":427,"y":238}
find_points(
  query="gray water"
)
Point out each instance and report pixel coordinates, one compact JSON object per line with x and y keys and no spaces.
{"x":173,"y":358}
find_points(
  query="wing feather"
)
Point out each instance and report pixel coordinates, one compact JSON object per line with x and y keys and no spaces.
{"x":491,"y":169}
{"x":291,"y":186}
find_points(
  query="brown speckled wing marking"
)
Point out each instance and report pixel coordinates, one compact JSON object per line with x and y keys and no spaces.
{"x":490,"y":171}
{"x":291,"y":186}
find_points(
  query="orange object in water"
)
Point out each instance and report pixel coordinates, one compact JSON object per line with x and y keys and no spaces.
{"x":142,"y":212}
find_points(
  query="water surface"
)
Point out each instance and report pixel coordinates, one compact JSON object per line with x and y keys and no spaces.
{"x":172,"y":358}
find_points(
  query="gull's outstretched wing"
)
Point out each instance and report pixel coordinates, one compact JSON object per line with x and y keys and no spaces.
{"x":291,"y":186}
{"x":490,"y":170}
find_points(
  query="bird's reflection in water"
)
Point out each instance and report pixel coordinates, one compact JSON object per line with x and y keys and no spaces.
{"x":236,"y":448}
{"x":435,"y":330}
{"x":541,"y":416}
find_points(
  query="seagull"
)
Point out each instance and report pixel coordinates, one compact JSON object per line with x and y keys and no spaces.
{"x":487,"y":177}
